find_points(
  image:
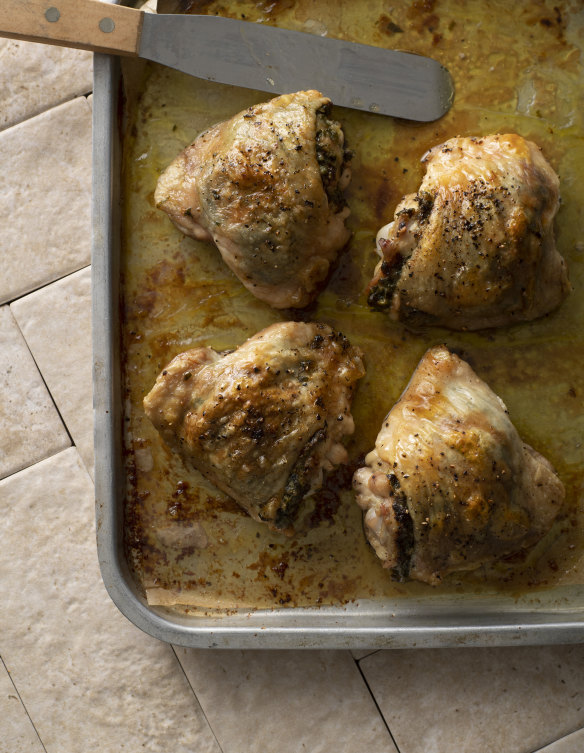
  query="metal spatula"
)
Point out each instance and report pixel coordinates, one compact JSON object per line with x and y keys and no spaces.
{"x":242,"y":53}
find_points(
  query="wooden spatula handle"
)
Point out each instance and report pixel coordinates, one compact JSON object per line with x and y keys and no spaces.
{"x":87,"y":24}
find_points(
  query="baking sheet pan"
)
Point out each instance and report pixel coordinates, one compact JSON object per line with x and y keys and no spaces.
{"x":424,"y":617}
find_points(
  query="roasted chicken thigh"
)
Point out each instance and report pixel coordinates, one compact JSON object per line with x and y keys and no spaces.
{"x":266,"y":188}
{"x":474,"y":248}
{"x":450,"y":485}
{"x":264,"y":421}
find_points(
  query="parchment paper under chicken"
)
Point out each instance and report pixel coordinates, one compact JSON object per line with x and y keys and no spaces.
{"x":450,"y":485}
{"x":266,"y":188}
{"x":475,"y":247}
{"x":264,"y":421}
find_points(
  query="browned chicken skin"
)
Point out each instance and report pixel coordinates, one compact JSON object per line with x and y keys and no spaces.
{"x":450,"y":485}
{"x":266,"y":188}
{"x":264,"y":421}
{"x":474,"y":248}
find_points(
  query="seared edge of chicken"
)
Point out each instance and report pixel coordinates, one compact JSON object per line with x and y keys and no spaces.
{"x":264,"y":421}
{"x":475,"y":246}
{"x":450,"y":485}
{"x":266,"y":187}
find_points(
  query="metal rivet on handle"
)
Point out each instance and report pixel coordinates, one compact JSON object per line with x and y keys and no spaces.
{"x":52,"y":15}
{"x":107,"y":25}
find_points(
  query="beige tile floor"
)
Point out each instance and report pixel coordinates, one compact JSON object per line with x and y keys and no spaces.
{"x":75,"y":675}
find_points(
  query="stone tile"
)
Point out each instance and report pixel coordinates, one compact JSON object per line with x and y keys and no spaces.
{"x":89,"y":679}
{"x":45,"y":198}
{"x":30,"y":427}
{"x":56,"y":324}
{"x":16,"y":730}
{"x":478,"y":700}
{"x":573,"y":743}
{"x":35,"y":77}
{"x":288,"y":701}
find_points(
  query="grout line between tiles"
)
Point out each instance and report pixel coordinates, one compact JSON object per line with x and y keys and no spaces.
{"x":22,"y":702}
{"x":196,"y":698}
{"x":46,"y":387}
{"x":376,"y":704}
{"x":365,"y":656}
{"x":48,"y":108}
{"x":25,"y":293}
{"x":543,"y":748}
{"x":28,"y":465}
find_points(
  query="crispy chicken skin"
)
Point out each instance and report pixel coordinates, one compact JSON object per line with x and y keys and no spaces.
{"x":266,"y":188}
{"x":450,"y":485}
{"x":264,"y":421}
{"x":474,"y":248}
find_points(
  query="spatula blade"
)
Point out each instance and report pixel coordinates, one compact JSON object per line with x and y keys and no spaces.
{"x":279,"y":61}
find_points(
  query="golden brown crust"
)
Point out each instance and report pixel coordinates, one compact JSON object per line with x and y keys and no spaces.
{"x":255,"y":185}
{"x":262,"y":422}
{"x":474,"y":491}
{"x":475,"y":247}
